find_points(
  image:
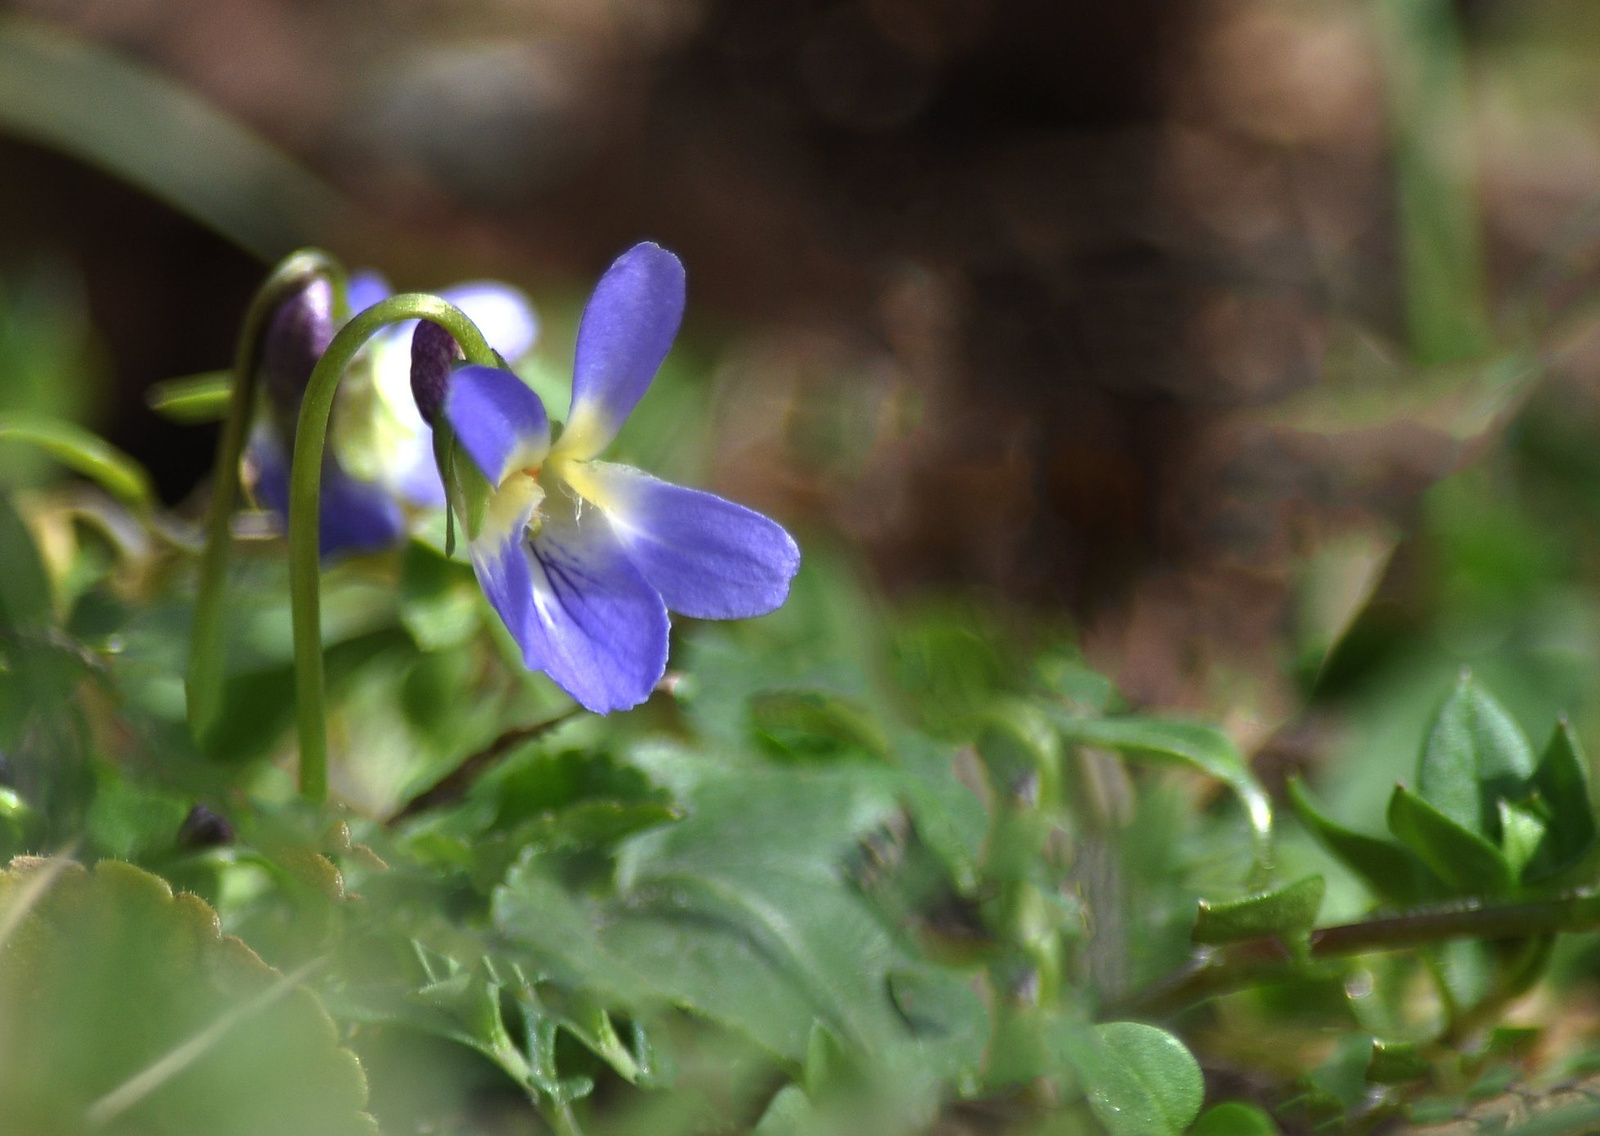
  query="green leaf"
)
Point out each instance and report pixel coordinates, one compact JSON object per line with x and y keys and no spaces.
{"x":1234,"y":1119}
{"x":192,"y":399}
{"x":25,"y":593}
{"x":789,"y":1114}
{"x":740,"y":912}
{"x":83,"y":453}
{"x":1140,"y":1080}
{"x":1522,"y":832}
{"x":1465,"y":861}
{"x":126,"y":1004}
{"x":1197,"y":746}
{"x":1561,"y":785}
{"x":133,"y":122}
{"x":438,"y":599}
{"x":1475,"y":755}
{"x":815,"y":724}
{"x":1286,"y":911}
{"x":1395,"y":1063}
{"x":1387,"y":868}
{"x":948,"y":815}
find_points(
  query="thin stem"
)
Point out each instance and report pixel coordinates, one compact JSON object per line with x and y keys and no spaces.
{"x":305,"y":504}
{"x":562,"y":1120}
{"x":206,"y":670}
{"x":1230,"y":968}
{"x":454,"y":785}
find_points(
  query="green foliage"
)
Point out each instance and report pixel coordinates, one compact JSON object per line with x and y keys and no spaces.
{"x":192,"y":1031}
{"x":1141,"y":1080}
{"x":1286,"y":911}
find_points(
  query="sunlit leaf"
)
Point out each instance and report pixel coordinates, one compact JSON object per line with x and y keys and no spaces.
{"x":1288,"y":910}
{"x":1140,"y":1080}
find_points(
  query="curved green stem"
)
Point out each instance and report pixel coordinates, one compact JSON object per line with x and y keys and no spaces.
{"x":305,"y":505}
{"x":204,"y":680}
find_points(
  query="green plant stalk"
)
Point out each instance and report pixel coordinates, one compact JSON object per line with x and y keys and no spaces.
{"x":1218,"y":971}
{"x":305,"y":505}
{"x":204,"y":681}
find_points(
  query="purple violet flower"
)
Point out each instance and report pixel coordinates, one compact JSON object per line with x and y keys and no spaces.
{"x":582,"y":558}
{"x":357,"y":515}
{"x":380,"y":453}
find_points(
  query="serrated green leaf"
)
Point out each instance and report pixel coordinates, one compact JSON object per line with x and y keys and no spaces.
{"x":1234,"y":1119}
{"x":1192,"y":744}
{"x":739,"y":912}
{"x":1286,"y":911}
{"x":1561,"y":785}
{"x":1387,"y":868}
{"x":1140,"y":1080}
{"x":126,"y":1003}
{"x":1460,"y":857}
{"x":1475,"y":755}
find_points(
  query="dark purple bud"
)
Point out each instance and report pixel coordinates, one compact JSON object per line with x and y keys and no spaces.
{"x":203,"y":828}
{"x":433,"y":355}
{"x":297,"y":333}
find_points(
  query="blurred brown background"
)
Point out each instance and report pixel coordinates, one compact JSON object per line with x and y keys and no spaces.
{"x":1012,"y":293}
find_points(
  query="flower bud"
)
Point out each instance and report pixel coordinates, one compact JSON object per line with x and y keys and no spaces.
{"x":296,"y":334}
{"x":433,"y":355}
{"x":203,"y":828}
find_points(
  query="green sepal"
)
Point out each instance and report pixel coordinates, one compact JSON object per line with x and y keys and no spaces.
{"x":1560,"y":785}
{"x":1287,"y":911}
{"x":1387,"y":868}
{"x":467,"y":490}
{"x":1465,"y":861}
{"x":1475,"y":756}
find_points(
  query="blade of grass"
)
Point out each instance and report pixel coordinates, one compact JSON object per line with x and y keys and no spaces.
{"x":132,"y":122}
{"x":84,"y":452}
